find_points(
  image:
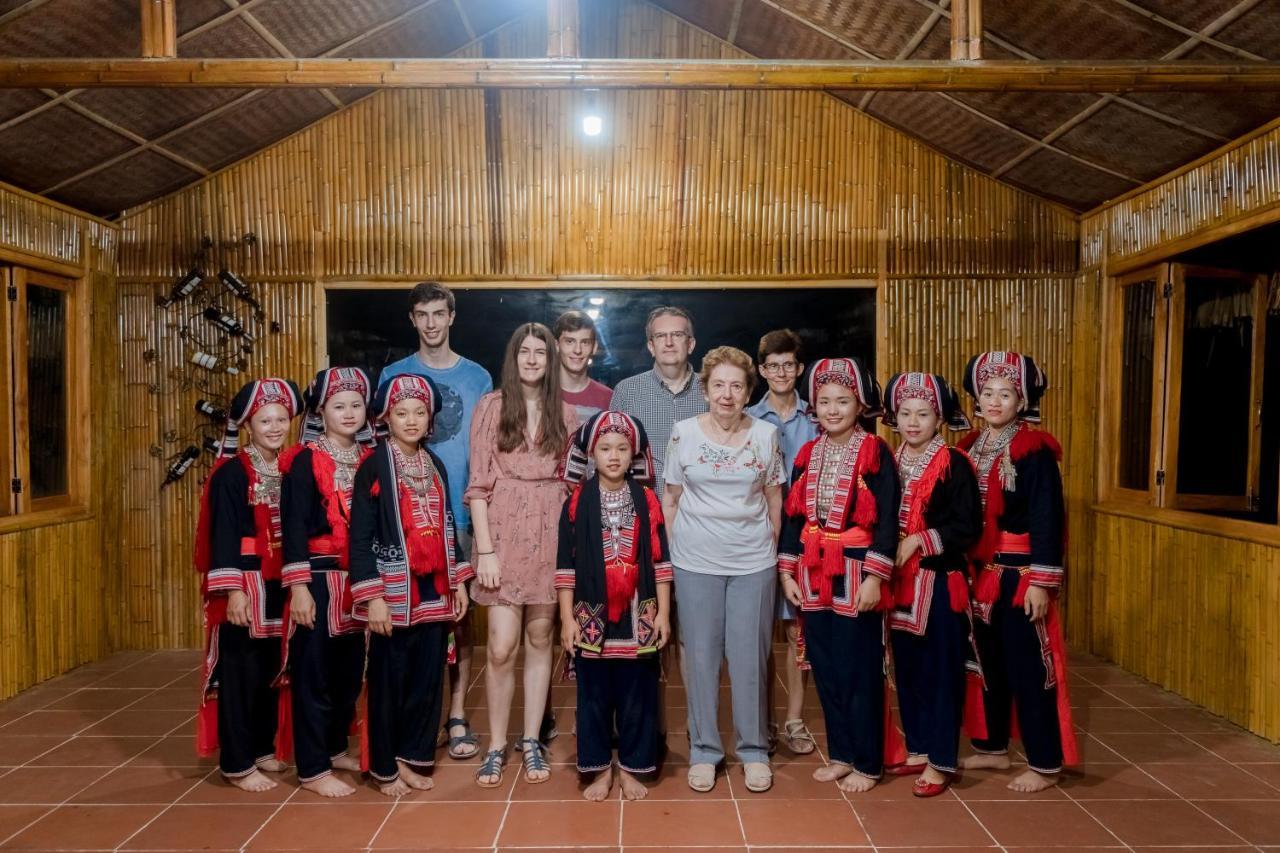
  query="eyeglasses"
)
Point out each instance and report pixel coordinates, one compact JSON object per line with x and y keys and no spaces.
{"x":673,"y":337}
{"x":775,"y":369}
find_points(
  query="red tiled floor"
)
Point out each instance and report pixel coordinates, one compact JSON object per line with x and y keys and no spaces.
{"x":83,"y":828}
{"x":1156,"y":771}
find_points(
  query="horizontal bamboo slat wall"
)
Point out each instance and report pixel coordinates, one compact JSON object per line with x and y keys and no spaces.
{"x":463,"y":186}
{"x":59,"y":601}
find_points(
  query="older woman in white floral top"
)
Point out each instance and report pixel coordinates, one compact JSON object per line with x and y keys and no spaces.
{"x":723,"y":507}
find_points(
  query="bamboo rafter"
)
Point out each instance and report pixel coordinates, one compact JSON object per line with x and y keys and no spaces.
{"x":928,"y":76}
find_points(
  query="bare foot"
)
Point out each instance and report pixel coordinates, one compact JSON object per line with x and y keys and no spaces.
{"x":346,"y":762}
{"x":831,"y":772}
{"x":414,"y":779}
{"x":916,"y":760}
{"x":599,"y":788}
{"x":856,"y":783}
{"x":254,"y":783}
{"x":394,"y":789}
{"x":329,"y":786}
{"x":1029,"y":781}
{"x":985,"y":761}
{"x":932,"y":776}
{"x":632,"y":788}
{"x":271,"y":765}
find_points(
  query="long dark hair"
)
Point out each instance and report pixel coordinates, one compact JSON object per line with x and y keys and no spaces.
{"x":552,"y":437}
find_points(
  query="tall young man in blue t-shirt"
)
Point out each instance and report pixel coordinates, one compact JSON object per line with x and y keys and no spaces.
{"x":462,"y":383}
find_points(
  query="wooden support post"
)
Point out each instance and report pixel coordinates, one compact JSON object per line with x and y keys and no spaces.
{"x":975,"y":28}
{"x":959,"y":29}
{"x":562,"y":29}
{"x":159,"y":29}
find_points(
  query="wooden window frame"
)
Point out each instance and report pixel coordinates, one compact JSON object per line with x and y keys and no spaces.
{"x":1162,"y":490}
{"x":25,"y":510}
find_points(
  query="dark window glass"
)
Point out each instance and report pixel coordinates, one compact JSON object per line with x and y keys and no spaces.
{"x":47,"y":390}
{"x":1138,"y":353}
{"x":1217,"y":364}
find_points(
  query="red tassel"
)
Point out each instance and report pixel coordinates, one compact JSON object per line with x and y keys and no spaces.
{"x":832,"y":557}
{"x":864,"y":507}
{"x":284,"y":723}
{"x":895,"y":746}
{"x":987,"y":589}
{"x":620,"y":587}
{"x":958,"y":591}
{"x":1066,"y":729}
{"x":975,"y":711}
{"x":362,"y":720}
{"x":811,"y":538}
{"x":886,"y":599}
{"x":1020,"y":596}
{"x":207,"y":728}
{"x":904,"y":582}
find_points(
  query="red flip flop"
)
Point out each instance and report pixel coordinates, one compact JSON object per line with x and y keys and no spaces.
{"x":905,"y":769}
{"x":930,"y":789}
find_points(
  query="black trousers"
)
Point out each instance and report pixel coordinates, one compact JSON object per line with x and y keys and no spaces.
{"x":1012,"y":649}
{"x":621,"y":692}
{"x":847,"y":657}
{"x":930,"y":672}
{"x":406,"y":683}
{"x":247,"y":703}
{"x":325,"y":674}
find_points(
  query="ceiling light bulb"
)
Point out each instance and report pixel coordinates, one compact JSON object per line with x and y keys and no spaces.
{"x":592,"y":125}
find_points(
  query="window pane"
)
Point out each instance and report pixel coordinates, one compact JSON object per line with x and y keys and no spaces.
{"x":1138,"y":354}
{"x":47,"y":390}
{"x":1217,"y":361}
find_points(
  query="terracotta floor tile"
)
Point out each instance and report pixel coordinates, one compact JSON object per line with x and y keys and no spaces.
{"x":95,"y":699}
{"x":215,"y":790}
{"x":1225,"y":848}
{"x":166,"y":699}
{"x":1106,"y":674}
{"x":35,"y":698}
{"x":200,"y":828}
{"x":76,"y":678}
{"x":790,"y":782}
{"x":1115,"y":782}
{"x":1269,"y":773}
{"x":672,"y":784}
{"x":19,"y":749}
{"x":14,"y":818}
{"x":1041,"y":824}
{"x":1256,"y":821}
{"x":146,"y":722}
{"x":910,"y":822}
{"x":675,"y":823}
{"x":141,"y":677}
{"x":1147,"y":696}
{"x":48,"y":785}
{"x":553,"y":823}
{"x":83,"y":828}
{"x":1091,"y":696}
{"x":53,"y":722}
{"x":562,"y":785}
{"x":432,"y":825}
{"x":1238,"y":747}
{"x":94,"y":752}
{"x":1096,"y":720}
{"x":1156,"y":823}
{"x":783,"y":822}
{"x":174,"y":751}
{"x":1157,"y":748}
{"x":140,"y":786}
{"x":456,"y":781}
{"x":319,"y":827}
{"x":1215,"y":781}
{"x":1193,"y":721}
{"x":633,"y":848}
{"x":176,"y":658}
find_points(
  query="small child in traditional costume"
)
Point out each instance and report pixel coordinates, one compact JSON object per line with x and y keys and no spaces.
{"x":614,"y":580}
{"x":939,"y":520}
{"x":324,"y":642}
{"x":239,"y":553}
{"x":407,"y":583}
{"x":836,"y":555}
{"x":1018,"y":571}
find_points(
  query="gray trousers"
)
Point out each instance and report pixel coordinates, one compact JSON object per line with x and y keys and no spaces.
{"x":726,"y":616}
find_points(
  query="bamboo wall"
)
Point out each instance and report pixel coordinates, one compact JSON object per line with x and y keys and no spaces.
{"x":1193,"y":610}
{"x":461,"y":186}
{"x":58,"y":595}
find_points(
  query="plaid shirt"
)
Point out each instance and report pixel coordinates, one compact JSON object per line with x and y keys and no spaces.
{"x":647,"y":399}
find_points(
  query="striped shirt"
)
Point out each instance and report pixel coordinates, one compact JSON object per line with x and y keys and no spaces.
{"x":648,"y":399}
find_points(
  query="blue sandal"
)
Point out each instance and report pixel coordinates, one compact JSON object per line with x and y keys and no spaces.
{"x":534,"y":758}
{"x":495,"y":760}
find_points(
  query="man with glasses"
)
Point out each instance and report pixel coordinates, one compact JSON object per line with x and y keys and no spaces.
{"x":671,"y":391}
{"x":779,"y":363}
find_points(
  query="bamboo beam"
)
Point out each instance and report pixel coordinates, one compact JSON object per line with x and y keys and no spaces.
{"x":974,"y":35}
{"x":562,"y":29}
{"x":929,"y":76}
{"x":159,"y":28}
{"x":960,"y":29}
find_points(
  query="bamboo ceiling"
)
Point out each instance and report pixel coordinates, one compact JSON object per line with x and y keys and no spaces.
{"x":105,"y":150}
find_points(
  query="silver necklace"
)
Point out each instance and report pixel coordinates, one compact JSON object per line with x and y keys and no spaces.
{"x":344,"y":463}
{"x":267,"y":488}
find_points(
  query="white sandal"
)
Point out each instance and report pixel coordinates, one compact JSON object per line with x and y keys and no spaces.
{"x":702,"y":777}
{"x":759,"y":776}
